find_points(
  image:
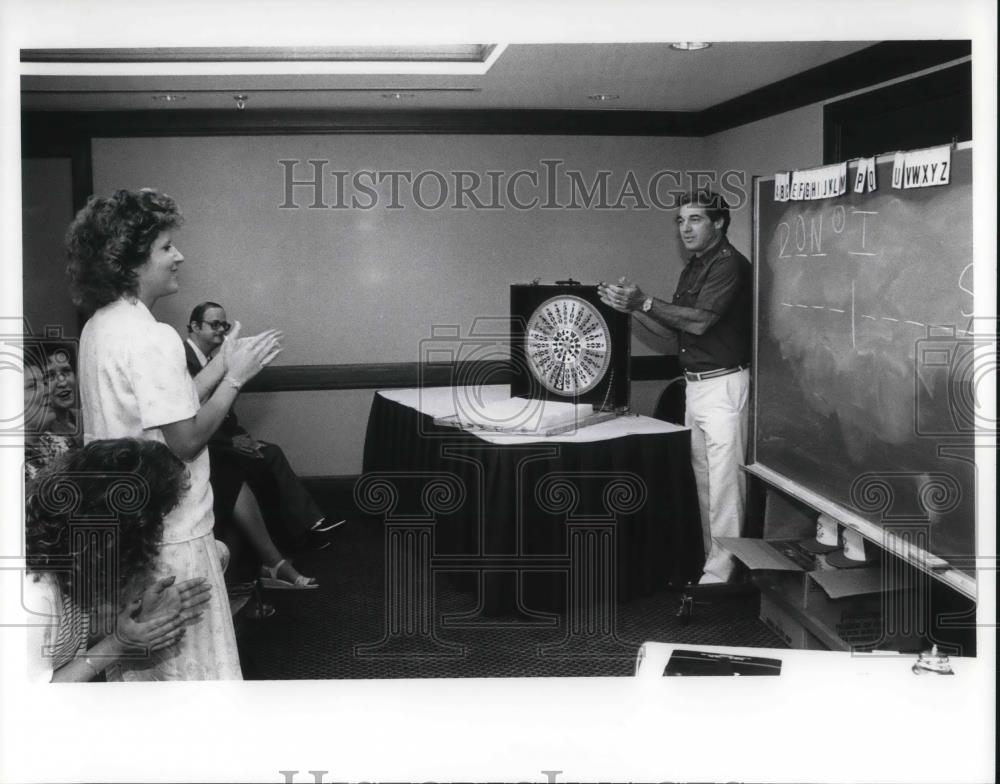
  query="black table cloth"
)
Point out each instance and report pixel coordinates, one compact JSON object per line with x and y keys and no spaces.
{"x":501,"y":513}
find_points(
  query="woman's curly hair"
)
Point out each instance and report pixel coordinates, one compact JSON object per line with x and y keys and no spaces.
{"x":98,"y":511}
{"x":109,"y":239}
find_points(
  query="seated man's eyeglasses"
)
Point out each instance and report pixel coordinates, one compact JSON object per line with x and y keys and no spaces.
{"x":219,"y":326}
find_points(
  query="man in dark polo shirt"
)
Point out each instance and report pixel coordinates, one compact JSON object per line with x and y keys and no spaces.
{"x":711,"y":313}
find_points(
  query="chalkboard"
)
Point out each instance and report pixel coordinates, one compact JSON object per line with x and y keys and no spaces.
{"x":863,"y":373}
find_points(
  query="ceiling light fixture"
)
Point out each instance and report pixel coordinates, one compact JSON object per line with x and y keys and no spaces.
{"x":689,"y":46}
{"x":398,"y":96}
{"x":459,"y":60}
{"x":241,"y":101}
{"x":447,"y":53}
{"x":603,"y":97}
{"x":169,"y":97}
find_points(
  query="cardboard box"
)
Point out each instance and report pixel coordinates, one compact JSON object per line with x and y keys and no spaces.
{"x":785,"y":625}
{"x":839,"y":609}
{"x":780,"y":566}
{"x":863,"y":611}
{"x":809,"y":603}
{"x":777,"y":561}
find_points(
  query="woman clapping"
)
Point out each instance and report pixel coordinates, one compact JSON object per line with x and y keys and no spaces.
{"x":134,"y":383}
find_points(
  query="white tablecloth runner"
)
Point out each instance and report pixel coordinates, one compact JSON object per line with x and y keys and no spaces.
{"x":440,"y":402}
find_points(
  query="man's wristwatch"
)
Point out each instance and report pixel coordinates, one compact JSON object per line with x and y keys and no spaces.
{"x":647,"y":304}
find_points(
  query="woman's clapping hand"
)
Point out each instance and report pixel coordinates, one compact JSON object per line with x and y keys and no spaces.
{"x":246,"y":357}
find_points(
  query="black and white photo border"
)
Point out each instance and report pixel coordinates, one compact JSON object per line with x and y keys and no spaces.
{"x":490,"y":729}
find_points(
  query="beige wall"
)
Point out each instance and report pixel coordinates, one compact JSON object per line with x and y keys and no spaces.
{"x":360,"y":285}
{"x":792,"y":140}
{"x":355,"y":285}
{"x":369,"y":285}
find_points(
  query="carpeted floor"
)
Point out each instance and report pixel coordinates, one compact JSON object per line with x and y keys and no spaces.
{"x":334,"y":632}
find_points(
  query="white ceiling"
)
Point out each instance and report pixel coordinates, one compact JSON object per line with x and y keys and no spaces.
{"x":645,"y":76}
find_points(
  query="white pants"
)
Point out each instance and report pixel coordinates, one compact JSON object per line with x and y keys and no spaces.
{"x":717,"y":412}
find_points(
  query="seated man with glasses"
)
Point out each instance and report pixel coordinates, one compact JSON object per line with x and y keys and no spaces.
{"x":237,"y":457}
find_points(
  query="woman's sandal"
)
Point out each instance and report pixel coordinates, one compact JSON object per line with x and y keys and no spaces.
{"x":269,"y":578}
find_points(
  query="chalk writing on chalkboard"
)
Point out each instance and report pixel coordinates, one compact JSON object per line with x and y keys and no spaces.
{"x":856,"y":298}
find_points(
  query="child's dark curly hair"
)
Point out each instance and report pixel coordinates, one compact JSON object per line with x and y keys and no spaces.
{"x":94,"y":517}
{"x":109,"y":239}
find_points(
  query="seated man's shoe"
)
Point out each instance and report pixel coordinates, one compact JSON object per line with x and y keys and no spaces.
{"x":315,"y":541}
{"x":324,"y":526}
{"x":318,"y":537}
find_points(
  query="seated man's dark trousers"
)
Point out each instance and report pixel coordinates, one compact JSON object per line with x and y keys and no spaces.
{"x":289,"y":510}
{"x":236,"y":457}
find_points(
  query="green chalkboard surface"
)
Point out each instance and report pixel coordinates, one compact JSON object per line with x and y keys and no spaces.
{"x":863,"y":372}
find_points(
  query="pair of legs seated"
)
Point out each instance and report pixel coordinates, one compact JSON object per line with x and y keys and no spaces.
{"x":261,"y":502}
{"x":248,"y":521}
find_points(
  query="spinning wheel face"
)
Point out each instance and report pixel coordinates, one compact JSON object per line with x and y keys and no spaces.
{"x":568,"y":345}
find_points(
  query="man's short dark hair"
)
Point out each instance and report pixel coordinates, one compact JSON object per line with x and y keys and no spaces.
{"x":198,"y":314}
{"x":716,"y":208}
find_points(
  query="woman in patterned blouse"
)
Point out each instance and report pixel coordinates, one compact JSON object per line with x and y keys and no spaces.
{"x":51,"y":404}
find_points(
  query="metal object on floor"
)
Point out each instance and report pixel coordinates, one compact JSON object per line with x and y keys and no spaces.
{"x":241,"y":594}
{"x":262,"y":610}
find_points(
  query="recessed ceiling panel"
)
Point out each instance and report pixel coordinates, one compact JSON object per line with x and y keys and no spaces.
{"x":641,"y":77}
